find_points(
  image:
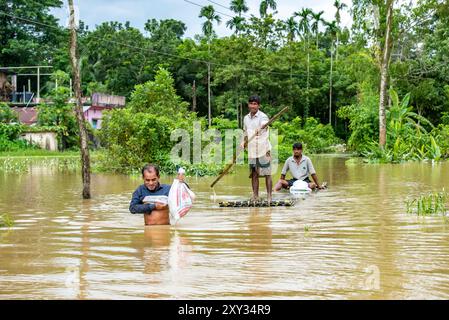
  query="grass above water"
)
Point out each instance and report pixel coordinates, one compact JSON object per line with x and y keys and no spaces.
{"x":6,"y":221}
{"x":429,"y":204}
{"x":21,"y":162}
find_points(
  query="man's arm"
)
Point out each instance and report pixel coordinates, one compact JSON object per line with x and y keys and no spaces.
{"x":315,"y":179}
{"x":313,"y":173}
{"x":284,"y":170}
{"x":245,"y":136}
{"x":136,"y":206}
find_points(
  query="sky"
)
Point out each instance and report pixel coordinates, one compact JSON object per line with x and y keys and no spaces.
{"x":137,"y":12}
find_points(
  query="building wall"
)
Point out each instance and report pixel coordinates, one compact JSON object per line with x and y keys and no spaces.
{"x":94,"y":114}
{"x":46,"y":140}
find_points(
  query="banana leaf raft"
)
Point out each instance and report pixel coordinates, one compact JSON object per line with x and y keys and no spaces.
{"x":249,"y":203}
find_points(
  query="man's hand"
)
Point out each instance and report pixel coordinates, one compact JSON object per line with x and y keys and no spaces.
{"x":181,"y":177}
{"x":242,"y":145}
{"x":160,"y":206}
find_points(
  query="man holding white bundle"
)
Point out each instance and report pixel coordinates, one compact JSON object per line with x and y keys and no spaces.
{"x":151,"y":198}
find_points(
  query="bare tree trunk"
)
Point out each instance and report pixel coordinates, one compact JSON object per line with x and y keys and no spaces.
{"x":85,"y":159}
{"x":330,"y":85}
{"x":384,"y":76}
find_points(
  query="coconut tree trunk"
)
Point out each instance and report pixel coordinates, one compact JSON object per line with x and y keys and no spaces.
{"x":338,"y":42}
{"x":85,"y":158}
{"x":384,"y":71}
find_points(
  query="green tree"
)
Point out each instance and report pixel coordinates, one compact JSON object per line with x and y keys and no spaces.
{"x":340,"y":6}
{"x":304,"y":29}
{"x":317,"y":19}
{"x":32,"y":39}
{"x":158,"y":97}
{"x":208,"y":12}
{"x":238,"y":22}
{"x":291,"y":27}
{"x":59,"y":112}
{"x":265,"y":5}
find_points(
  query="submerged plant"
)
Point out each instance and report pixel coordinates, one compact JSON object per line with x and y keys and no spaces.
{"x":6,"y":221}
{"x":432,"y":203}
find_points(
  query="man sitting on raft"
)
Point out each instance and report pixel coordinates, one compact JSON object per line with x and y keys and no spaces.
{"x":154,"y":213}
{"x":300,"y":167}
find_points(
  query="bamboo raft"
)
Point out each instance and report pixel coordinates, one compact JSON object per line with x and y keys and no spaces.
{"x":264,"y":203}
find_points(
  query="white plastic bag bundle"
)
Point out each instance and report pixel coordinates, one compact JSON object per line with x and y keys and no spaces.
{"x":300,"y":188}
{"x":180,"y":199}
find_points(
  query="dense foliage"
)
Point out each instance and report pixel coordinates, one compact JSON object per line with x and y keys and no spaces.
{"x":317,"y":67}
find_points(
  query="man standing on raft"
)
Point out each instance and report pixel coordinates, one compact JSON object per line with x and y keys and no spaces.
{"x":259,"y":148}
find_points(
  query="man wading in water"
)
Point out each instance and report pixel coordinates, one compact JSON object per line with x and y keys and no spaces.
{"x":259,"y":148}
{"x":154,"y":213}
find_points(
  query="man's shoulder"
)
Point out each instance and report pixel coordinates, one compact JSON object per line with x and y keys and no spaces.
{"x":289,"y":159}
{"x":306,"y":158}
{"x":262,"y":114}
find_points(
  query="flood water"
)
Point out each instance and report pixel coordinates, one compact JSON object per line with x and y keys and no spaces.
{"x":351,"y":241}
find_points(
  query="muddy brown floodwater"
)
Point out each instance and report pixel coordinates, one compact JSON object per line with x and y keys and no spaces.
{"x":351,"y":241}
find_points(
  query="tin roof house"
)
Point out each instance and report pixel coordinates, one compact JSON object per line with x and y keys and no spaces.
{"x":101,"y":102}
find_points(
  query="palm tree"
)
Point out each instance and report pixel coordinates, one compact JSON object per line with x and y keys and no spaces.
{"x":304,"y":23}
{"x":265,"y":5}
{"x":332,"y":29}
{"x":237,"y":22}
{"x":316,"y":23}
{"x":304,"y":28}
{"x":292,"y":28}
{"x":238,"y":6}
{"x":208,"y":12}
{"x":339,"y":6}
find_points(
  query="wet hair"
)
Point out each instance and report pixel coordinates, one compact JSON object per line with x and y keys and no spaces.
{"x":254,"y":98}
{"x":297,"y":145}
{"x":150,"y":167}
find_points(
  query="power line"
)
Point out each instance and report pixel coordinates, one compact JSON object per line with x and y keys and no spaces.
{"x":30,"y":21}
{"x":220,"y":5}
{"x":198,"y":5}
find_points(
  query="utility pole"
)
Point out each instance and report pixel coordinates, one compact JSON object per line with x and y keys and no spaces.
{"x":38,"y":85}
{"x":85,"y":158}
{"x":208,"y":94}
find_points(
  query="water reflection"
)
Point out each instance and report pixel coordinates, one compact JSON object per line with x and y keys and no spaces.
{"x":353,"y":240}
